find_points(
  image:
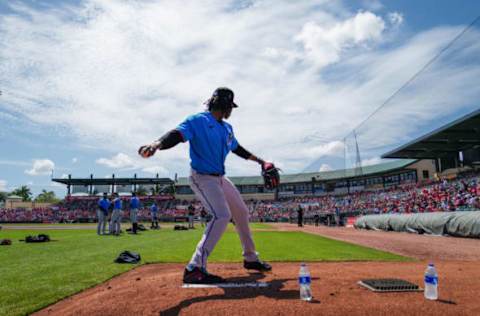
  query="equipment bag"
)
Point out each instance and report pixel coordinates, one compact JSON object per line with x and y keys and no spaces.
{"x":128,"y":257}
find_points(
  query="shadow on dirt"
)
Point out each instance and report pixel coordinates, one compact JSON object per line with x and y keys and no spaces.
{"x":274,"y":291}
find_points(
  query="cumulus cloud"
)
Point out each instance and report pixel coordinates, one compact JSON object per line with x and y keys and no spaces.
{"x":119,"y":161}
{"x":3,"y":185}
{"x":41,"y":167}
{"x":325,"y":167}
{"x":395,"y":18}
{"x":324,"y":44}
{"x":334,"y":148}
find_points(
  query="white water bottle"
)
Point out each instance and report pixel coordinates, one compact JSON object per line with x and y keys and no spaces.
{"x":431,"y":282}
{"x":304,"y":282}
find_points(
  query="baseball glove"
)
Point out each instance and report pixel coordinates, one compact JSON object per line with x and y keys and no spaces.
{"x":271,"y":176}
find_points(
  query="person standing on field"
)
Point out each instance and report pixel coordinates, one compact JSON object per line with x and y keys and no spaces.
{"x":102,"y":214}
{"x":134,"y":206}
{"x":211,"y":138}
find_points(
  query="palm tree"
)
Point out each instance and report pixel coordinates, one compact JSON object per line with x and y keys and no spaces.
{"x":46,"y":197}
{"x":24,"y":192}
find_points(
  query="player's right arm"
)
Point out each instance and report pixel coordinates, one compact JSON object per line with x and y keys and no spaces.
{"x":169,"y":140}
{"x":184,"y":132}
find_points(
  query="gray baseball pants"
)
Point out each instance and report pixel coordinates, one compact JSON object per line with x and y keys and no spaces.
{"x":133,"y":215}
{"x":115,"y":221}
{"x":102,"y":222}
{"x":222,"y":199}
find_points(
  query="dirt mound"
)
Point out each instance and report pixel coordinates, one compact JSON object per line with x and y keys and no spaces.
{"x":156,"y":290}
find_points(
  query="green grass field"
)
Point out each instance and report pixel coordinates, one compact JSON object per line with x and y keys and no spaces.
{"x":33,"y":276}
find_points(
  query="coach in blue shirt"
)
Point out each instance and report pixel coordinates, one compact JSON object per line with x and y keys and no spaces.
{"x":211,"y":138}
{"x":102,"y":214}
{"x":134,"y":206}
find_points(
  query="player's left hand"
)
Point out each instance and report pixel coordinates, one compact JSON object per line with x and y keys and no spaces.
{"x":147,"y":150}
{"x":271,"y":176}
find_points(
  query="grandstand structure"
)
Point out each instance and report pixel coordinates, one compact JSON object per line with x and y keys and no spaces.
{"x":98,"y":186}
{"x":454,"y":145}
{"x":334,"y":182}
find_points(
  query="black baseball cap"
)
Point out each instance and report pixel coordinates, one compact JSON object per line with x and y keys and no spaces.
{"x":225,"y":95}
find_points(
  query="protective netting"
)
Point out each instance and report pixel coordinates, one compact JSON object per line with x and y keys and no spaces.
{"x":461,"y":224}
{"x":440,"y":86}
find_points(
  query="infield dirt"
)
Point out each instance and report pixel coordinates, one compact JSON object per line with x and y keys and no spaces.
{"x":156,"y":289}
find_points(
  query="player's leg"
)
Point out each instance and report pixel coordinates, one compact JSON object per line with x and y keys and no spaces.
{"x":100,"y":221}
{"x":209,"y":191}
{"x":240,"y":215}
{"x":111,"y":226}
{"x":104,"y":223}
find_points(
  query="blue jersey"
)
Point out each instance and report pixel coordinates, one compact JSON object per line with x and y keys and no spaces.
{"x":154,"y":208}
{"x":104,"y":204}
{"x":134,"y":203}
{"x":210,"y":142}
{"x":117,"y":204}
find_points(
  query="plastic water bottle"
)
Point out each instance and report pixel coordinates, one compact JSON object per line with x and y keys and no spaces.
{"x":431,"y":282}
{"x":304,"y":282}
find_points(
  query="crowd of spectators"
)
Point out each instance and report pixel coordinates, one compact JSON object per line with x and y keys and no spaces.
{"x":462,"y":193}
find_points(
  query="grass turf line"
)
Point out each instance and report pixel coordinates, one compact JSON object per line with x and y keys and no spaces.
{"x":33,"y":276}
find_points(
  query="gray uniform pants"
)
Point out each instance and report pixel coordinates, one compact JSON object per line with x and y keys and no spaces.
{"x":222,"y":199}
{"x":115,"y":221}
{"x":133,"y":215}
{"x":102,"y":222}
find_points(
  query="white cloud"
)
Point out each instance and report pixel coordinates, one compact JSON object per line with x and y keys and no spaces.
{"x":324,"y":44}
{"x":155,"y":170}
{"x":119,"y":161}
{"x":371,"y":161}
{"x":3,"y":185}
{"x":41,"y":167}
{"x":395,"y":18}
{"x":325,"y":167}
{"x":74,"y":160}
{"x":334,"y":148}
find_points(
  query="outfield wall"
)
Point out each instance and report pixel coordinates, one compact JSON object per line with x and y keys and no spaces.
{"x":460,"y":224}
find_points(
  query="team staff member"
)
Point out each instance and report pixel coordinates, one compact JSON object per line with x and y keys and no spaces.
{"x":116,"y":215}
{"x":191,"y":216}
{"x":211,"y":139}
{"x":134,"y":206}
{"x":102,"y":214}
{"x":154,"y":212}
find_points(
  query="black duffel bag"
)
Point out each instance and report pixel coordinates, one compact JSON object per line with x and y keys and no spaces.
{"x":39,"y":238}
{"x":128,"y":257}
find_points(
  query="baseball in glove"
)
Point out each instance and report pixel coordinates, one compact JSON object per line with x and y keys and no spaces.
{"x":271,"y":176}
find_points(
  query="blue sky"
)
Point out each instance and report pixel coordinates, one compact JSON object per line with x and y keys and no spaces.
{"x":84,"y":83}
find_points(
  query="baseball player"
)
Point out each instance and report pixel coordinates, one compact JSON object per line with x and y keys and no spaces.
{"x":116,"y":215}
{"x":211,"y":139}
{"x":134,"y":205}
{"x":102,"y":214}
{"x":154,"y":212}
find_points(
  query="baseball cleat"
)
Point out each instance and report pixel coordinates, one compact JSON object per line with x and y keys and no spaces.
{"x":258,"y":265}
{"x":201,"y":276}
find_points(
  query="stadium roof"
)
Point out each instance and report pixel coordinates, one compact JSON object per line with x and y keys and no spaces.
{"x":110,"y":181}
{"x":322,"y":176}
{"x":460,"y":135}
